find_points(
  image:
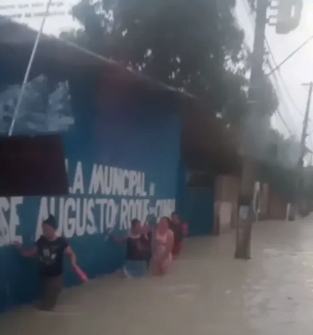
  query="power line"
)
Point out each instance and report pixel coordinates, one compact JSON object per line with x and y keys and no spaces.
{"x":284,"y":84}
{"x":284,"y":122}
{"x":282,"y":79}
{"x":287,"y":92}
{"x":282,"y":97}
{"x":246,"y":5}
{"x":290,"y":55}
{"x":274,"y":61}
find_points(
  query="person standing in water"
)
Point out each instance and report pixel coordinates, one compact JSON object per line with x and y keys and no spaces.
{"x":162,"y":245}
{"x":138,"y":250}
{"x":146,"y":241}
{"x":50,"y":250}
{"x":176,"y":227}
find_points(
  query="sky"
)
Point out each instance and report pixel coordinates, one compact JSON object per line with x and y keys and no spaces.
{"x":298,"y":70}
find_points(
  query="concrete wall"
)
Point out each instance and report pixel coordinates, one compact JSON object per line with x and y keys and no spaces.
{"x":271,"y":206}
{"x":122,"y":163}
{"x":277,"y":207}
{"x":195,"y":203}
{"x":226,"y":202}
{"x":263,"y":203}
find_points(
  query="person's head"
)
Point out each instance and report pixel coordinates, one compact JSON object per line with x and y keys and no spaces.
{"x":163,"y":224}
{"x":136,"y":227}
{"x":49,"y":227}
{"x":175,"y":217}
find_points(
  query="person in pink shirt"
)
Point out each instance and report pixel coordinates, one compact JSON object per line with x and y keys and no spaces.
{"x":162,"y":244}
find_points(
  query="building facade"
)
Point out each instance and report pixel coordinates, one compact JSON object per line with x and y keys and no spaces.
{"x":31,"y":13}
{"x":122,"y":153}
{"x":129,"y":145}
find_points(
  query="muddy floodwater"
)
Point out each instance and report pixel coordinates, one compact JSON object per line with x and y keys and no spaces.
{"x":207,"y":292}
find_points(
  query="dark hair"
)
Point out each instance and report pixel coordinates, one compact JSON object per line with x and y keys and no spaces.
{"x":175,"y":213}
{"x":51,"y":221}
{"x":167,"y":219}
{"x":135,"y":222}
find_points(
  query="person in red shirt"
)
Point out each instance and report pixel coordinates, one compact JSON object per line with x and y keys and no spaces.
{"x":179,"y":230}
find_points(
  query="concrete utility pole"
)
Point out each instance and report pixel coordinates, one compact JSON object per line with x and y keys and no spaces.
{"x":299,"y":182}
{"x":287,"y":20}
{"x":246,"y":214}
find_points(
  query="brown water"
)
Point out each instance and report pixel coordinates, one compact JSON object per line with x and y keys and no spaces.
{"x":207,"y":292}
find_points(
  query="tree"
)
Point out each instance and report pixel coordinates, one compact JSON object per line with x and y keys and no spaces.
{"x":180,"y":43}
{"x":196,"y":46}
{"x":45,"y":107}
{"x":283,"y":151}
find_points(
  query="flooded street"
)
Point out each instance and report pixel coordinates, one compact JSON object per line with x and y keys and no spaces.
{"x":207,"y":292}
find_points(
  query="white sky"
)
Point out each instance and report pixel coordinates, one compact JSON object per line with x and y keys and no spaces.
{"x":296,"y":71}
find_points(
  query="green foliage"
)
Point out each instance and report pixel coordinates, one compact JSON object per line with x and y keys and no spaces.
{"x":195,"y":46}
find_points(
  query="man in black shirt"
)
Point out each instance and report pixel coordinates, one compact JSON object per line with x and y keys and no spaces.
{"x":50,"y":250}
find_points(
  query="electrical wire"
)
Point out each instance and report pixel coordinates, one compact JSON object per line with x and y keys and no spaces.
{"x":276,"y":71}
{"x":275,"y":65}
{"x":284,"y":122}
{"x":282,"y":79}
{"x":278,"y":81}
{"x":290,"y":55}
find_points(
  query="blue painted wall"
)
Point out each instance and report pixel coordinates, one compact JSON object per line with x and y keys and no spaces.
{"x":200,"y":211}
{"x":136,"y":141}
{"x":194,"y":204}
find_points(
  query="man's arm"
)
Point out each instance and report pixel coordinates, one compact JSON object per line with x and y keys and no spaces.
{"x":71,"y":254}
{"x":120,"y":239}
{"x":27,"y":253}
